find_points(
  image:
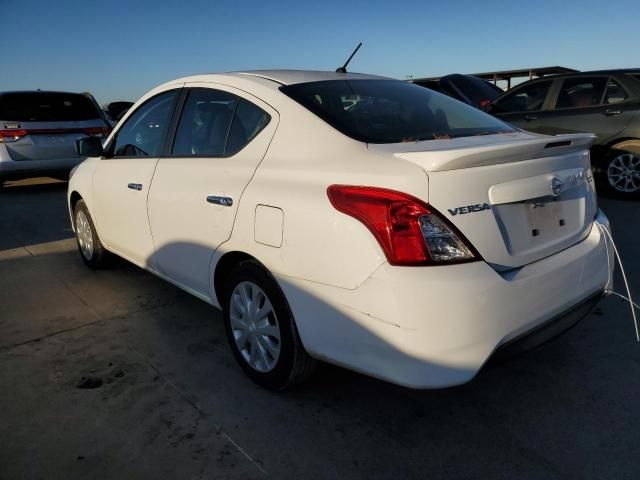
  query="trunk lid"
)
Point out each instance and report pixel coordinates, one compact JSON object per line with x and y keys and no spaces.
{"x":516,"y":197}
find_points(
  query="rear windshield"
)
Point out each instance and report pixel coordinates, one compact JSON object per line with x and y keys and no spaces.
{"x":391,"y":111}
{"x":474,"y":88}
{"x":46,"y":107}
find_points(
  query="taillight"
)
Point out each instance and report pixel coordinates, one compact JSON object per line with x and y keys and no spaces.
{"x":102,"y":132}
{"x":485,"y":104}
{"x":13,"y":135}
{"x":409,"y":231}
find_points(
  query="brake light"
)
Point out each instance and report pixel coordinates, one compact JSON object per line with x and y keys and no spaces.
{"x":485,"y":104}
{"x":12,"y":135}
{"x":409,"y":231}
{"x":101,"y":132}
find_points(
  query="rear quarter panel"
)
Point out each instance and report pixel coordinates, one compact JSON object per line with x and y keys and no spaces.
{"x":318,"y":243}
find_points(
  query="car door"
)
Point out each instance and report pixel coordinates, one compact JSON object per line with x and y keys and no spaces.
{"x":524,"y":106}
{"x":122,"y":179}
{"x":221,"y":137}
{"x":588,"y":104}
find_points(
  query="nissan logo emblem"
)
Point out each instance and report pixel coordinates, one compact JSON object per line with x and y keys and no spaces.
{"x":556,"y":186}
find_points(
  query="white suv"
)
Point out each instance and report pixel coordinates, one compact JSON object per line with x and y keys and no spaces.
{"x":350,"y":218}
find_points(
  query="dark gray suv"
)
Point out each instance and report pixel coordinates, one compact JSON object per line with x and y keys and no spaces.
{"x":606,"y":103}
{"x":38,"y":132}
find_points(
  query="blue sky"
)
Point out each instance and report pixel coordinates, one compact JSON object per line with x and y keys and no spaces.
{"x":118,"y":50}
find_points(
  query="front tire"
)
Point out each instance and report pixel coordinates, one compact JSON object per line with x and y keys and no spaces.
{"x":90,"y":247}
{"x":261,"y":329}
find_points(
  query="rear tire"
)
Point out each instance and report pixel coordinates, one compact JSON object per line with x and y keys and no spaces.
{"x":90,"y":247}
{"x":261,"y":329}
{"x":621,"y":170}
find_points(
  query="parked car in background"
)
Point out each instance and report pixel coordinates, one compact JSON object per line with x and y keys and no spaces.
{"x":350,"y":218}
{"x":606,"y":103}
{"x":466,"y":88}
{"x":116,"y":110}
{"x":38,"y":131}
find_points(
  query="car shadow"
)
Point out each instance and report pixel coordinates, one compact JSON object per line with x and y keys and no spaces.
{"x":30,"y":213}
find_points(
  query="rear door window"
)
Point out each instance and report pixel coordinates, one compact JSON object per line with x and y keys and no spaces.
{"x":525,"y":99}
{"x":204,"y":123}
{"x":248,"y":121}
{"x":581,"y":92}
{"x":47,"y":107}
{"x":614,"y":93}
{"x":216,"y":123}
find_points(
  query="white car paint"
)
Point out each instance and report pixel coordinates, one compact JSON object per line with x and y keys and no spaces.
{"x":423,"y":327}
{"x":184,"y":240}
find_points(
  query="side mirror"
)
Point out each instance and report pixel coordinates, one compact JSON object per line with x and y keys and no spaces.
{"x":89,"y":147}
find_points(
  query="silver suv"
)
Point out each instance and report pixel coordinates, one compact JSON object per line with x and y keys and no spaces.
{"x":38,"y":132}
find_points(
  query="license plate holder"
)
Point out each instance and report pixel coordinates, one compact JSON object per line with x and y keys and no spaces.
{"x":545,"y":217}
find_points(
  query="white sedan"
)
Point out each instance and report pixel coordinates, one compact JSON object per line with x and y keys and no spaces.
{"x":355,"y":219}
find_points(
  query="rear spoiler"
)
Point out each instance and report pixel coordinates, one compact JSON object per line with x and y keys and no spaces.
{"x":467,"y":152}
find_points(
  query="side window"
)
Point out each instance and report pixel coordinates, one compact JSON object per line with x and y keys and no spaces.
{"x":204,"y":124}
{"x":248,"y":121}
{"x":525,"y":99}
{"x":581,"y":92}
{"x":143,"y":134}
{"x":614,"y":93}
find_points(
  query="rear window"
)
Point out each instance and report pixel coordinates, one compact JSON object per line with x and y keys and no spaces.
{"x":391,"y":111}
{"x":46,"y":107}
{"x":581,"y":92}
{"x":474,"y":88}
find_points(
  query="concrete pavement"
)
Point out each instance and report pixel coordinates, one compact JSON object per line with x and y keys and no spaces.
{"x":117,"y":374}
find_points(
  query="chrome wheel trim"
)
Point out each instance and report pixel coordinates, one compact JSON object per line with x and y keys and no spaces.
{"x":84,"y":235}
{"x":623,"y":173}
{"x":254,"y":326}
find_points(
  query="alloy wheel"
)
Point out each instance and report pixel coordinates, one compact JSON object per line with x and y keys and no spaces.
{"x":623,"y":173}
{"x":254,"y":326}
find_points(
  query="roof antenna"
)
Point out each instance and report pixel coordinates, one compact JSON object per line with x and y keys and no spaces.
{"x":343,"y":69}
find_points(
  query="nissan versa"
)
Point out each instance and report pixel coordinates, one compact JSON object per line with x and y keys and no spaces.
{"x":354,"y":219}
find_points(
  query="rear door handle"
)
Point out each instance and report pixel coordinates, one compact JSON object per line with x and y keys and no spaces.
{"x":609,"y":113}
{"x":224,"y":201}
{"x":135,"y":186}
{"x":528,"y":118}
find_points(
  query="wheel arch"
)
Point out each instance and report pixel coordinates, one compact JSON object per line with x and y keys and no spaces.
{"x":223,"y":268}
{"x":74,"y":198}
{"x":600,"y":153}
{"x":619,"y":141}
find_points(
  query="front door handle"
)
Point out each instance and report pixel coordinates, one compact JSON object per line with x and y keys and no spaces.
{"x":135,"y":186}
{"x":528,"y":118}
{"x":224,"y":201}
{"x":609,"y":113}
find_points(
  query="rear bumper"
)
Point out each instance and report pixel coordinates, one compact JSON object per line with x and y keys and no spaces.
{"x":547,"y":331}
{"x":14,"y":169}
{"x":435,"y":327}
